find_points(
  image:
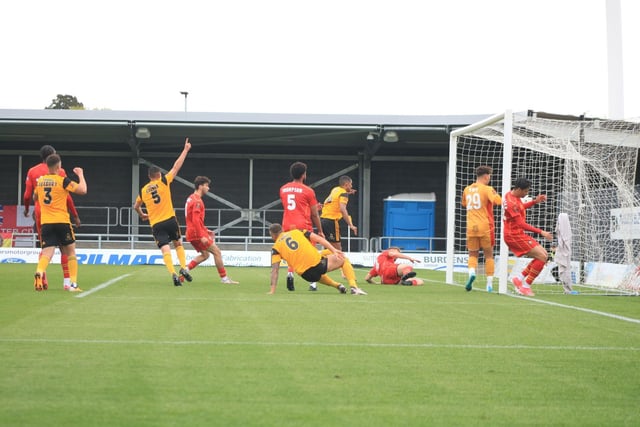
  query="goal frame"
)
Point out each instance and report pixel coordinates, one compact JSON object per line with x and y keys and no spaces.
{"x":455,"y":230}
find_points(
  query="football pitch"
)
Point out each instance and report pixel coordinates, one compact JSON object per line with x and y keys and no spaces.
{"x":133,"y":350}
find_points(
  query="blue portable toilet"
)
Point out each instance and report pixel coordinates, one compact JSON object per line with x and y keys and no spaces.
{"x":409,"y":215}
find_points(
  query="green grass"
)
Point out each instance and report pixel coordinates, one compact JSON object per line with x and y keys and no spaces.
{"x":141,"y":352}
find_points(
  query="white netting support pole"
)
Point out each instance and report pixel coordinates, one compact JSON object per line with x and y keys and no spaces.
{"x":452,"y":190}
{"x":503,"y":264}
{"x":451,"y":206}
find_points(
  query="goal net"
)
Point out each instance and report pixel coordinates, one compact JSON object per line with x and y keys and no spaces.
{"x":585,"y":167}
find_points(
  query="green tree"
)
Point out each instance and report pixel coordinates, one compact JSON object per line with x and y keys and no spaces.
{"x":65,"y":102}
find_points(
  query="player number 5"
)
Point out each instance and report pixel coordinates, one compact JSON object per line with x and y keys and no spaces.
{"x":291,"y":202}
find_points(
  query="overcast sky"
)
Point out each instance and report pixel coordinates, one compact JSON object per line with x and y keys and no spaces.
{"x":341,"y":57}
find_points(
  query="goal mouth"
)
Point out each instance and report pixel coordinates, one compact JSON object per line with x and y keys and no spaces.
{"x":587,"y":169}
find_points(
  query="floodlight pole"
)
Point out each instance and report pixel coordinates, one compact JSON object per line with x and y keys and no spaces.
{"x":185,"y":100}
{"x":614,"y":60}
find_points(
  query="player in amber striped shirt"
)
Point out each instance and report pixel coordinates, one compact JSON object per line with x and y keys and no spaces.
{"x":51,"y":193}
{"x":29,"y":188}
{"x":297,"y":248}
{"x":156,"y":197}
{"x":479,"y":200}
{"x":335,"y":208}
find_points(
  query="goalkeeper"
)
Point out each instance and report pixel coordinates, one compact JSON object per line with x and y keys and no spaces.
{"x":479,"y":199}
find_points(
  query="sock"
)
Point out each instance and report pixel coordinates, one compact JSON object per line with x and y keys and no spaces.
{"x":490,"y":281}
{"x":192,"y":265}
{"x":526,"y":270}
{"x":168,"y":261}
{"x":222,"y":272}
{"x":349,"y":273}
{"x":182,"y":257}
{"x":536,"y":267}
{"x":472,"y":263}
{"x":490,"y":267}
{"x":73,"y":268}
{"x":64,"y":262}
{"x":326,"y":280}
{"x":472,"y":272}
{"x":43,"y":263}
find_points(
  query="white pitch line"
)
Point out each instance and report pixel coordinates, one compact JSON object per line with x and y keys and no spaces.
{"x":572,"y":307}
{"x":324,"y":344}
{"x":102,"y":286}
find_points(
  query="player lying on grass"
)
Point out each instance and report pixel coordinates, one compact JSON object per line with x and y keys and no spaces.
{"x":392,"y":273}
{"x":297,"y":248}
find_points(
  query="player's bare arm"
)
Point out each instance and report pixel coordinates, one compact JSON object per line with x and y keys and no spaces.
{"x":180,"y":160}
{"x":274,"y":277}
{"x":138,"y":208}
{"x":81,"y":188}
{"x":347,"y":218}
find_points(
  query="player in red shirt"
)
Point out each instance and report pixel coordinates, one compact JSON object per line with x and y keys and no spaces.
{"x":30,"y":184}
{"x":198,"y":235}
{"x":392,"y":273}
{"x":300,"y":209}
{"x":520,"y":243}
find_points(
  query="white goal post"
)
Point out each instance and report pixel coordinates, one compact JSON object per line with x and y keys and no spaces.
{"x":587,"y":169}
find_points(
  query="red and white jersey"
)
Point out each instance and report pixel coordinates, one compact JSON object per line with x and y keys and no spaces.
{"x":514,"y":219}
{"x":194,"y":215}
{"x":297,"y":199}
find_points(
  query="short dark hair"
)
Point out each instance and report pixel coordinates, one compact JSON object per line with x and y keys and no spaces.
{"x":200,"y":180}
{"x":343,"y":180}
{"x":46,"y":151}
{"x":275,"y":228}
{"x":484,"y":170}
{"x":522,"y":184}
{"x":53,"y":159}
{"x":297,"y":170}
{"x":153,"y":171}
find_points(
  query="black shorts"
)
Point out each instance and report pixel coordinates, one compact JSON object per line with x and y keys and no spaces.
{"x":313,"y":274}
{"x":164,"y":232}
{"x":331,"y":229}
{"x":57,"y":234}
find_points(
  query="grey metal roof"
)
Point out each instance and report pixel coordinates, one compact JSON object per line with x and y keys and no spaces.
{"x":260,"y":133}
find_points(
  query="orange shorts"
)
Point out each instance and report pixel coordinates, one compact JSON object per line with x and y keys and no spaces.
{"x":475,"y":243}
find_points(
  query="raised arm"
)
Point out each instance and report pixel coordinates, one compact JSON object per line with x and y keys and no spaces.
{"x":81,"y":189}
{"x":180,"y":160}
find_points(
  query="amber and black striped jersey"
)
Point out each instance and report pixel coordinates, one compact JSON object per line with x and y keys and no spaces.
{"x":156,"y":196}
{"x":52,"y":192}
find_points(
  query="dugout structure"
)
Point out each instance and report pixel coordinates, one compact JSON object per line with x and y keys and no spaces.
{"x":586,"y":167}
